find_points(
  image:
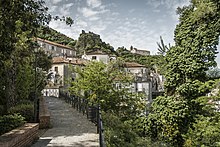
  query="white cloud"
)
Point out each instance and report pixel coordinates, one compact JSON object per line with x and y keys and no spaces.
{"x":65,"y":10}
{"x":55,"y":1}
{"x":81,"y":23}
{"x":52,"y":9}
{"x":95,"y":18}
{"x":94,"y":3}
{"x":169,"y":4}
{"x":87,"y":12}
{"x":131,"y":11}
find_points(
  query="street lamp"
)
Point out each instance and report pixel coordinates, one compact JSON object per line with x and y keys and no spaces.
{"x":35,"y":86}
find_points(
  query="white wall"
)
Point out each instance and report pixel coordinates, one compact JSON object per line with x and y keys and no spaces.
{"x":60,"y":71}
{"x":103,"y":58}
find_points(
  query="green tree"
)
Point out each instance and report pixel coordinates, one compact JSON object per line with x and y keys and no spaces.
{"x":196,"y":40}
{"x":45,"y":32}
{"x":19,"y":24}
{"x":150,"y":61}
{"x":213,"y":73}
{"x":109,"y":86}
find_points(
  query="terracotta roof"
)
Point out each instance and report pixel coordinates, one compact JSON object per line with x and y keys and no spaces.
{"x":54,"y":43}
{"x":132,"y":64}
{"x":74,"y":61}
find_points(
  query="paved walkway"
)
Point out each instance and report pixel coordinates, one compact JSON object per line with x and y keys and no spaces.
{"x":69,"y":127}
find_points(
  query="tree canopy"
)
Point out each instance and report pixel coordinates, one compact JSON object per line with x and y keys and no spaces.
{"x":178,"y":117}
{"x":19,"y":26}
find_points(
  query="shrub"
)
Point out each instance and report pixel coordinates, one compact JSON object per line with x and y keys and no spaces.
{"x":205,"y":132}
{"x":26,"y":110}
{"x":10,"y":122}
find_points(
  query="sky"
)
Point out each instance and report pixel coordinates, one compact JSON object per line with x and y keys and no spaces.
{"x":139,"y":23}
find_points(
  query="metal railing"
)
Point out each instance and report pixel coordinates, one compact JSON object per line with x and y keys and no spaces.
{"x":92,"y":112}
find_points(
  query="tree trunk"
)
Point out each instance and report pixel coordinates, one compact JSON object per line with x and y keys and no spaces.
{"x":11,"y":87}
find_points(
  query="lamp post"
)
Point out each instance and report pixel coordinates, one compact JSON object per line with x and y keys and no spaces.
{"x":35,"y":86}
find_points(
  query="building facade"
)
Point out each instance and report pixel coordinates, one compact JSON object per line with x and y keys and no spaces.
{"x":139,"y":51}
{"x":56,"y":49}
{"x":62,"y":70}
{"x":142,"y":82}
{"x":97,"y":56}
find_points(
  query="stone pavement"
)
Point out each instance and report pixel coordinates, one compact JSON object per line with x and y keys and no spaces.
{"x":69,"y":127}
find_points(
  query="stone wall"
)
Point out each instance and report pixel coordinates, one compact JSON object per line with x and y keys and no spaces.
{"x":44,"y":115}
{"x":20,"y":137}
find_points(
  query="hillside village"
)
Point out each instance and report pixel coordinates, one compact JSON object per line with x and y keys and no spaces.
{"x":65,"y":58}
{"x":59,"y":91}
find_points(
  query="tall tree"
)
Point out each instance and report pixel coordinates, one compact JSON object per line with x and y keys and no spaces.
{"x":196,"y":40}
{"x":109,"y":86}
{"x":15,"y":31}
{"x":19,"y":24}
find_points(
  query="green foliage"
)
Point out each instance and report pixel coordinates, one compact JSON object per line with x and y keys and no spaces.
{"x":204,"y":132}
{"x":10,"y":122}
{"x":185,"y":110}
{"x":168,"y":119}
{"x":25,"y":110}
{"x":213,"y":73}
{"x":2,"y":109}
{"x":16,"y":47}
{"x":154,"y":62}
{"x":117,"y":133}
{"x":125,"y":133}
{"x":196,"y":38}
{"x":123,"y":111}
{"x":19,"y":24}
{"x":50,"y":34}
{"x":91,"y":41}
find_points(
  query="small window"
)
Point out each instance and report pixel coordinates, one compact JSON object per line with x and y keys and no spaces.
{"x":52,"y":48}
{"x":56,"y":69}
{"x":93,"y":57}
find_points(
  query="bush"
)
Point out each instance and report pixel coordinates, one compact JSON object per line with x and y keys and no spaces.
{"x":205,"y":132}
{"x":10,"y":122}
{"x":26,"y":110}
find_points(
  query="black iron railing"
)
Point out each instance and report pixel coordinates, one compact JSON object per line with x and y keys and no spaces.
{"x":92,"y":112}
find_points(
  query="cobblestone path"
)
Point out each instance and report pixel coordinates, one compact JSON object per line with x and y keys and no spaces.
{"x":69,"y":127}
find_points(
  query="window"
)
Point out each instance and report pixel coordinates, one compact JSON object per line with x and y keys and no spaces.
{"x":56,"y":69}
{"x":52,"y":48}
{"x":93,"y":57}
{"x":70,"y":52}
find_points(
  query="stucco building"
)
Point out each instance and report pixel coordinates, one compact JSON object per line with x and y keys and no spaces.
{"x":56,"y":49}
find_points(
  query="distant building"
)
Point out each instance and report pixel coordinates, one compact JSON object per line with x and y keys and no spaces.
{"x":139,"y":51}
{"x":142,"y":82}
{"x":56,"y":49}
{"x":61,"y":70}
{"x":97,"y":55}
